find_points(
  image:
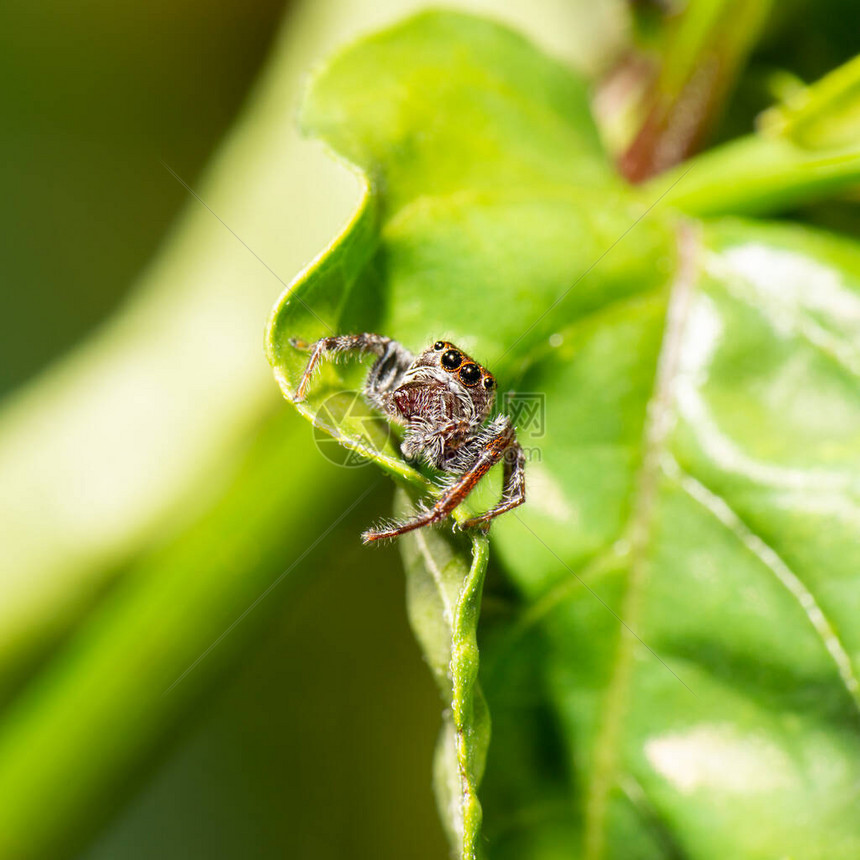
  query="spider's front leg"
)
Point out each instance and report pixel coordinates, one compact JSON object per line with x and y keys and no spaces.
{"x":389,"y":351}
{"x":488,"y":449}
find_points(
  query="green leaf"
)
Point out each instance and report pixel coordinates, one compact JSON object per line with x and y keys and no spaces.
{"x":486,"y":190}
{"x":444,"y":601}
{"x":719,"y":522}
{"x":676,"y":674}
{"x":758,"y":175}
{"x":804,"y":151}
{"x":823,"y":116}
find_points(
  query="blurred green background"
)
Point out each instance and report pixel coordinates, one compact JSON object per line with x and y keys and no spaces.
{"x":318,"y":741}
{"x":94,"y":94}
{"x":308,"y":730}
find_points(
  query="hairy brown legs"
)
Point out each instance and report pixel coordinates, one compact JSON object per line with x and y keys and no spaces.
{"x":498,"y":446}
{"x":513,"y":487}
{"x":444,"y":409}
{"x":339,"y":343}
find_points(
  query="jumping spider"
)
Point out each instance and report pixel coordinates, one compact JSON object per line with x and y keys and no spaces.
{"x":443,"y":398}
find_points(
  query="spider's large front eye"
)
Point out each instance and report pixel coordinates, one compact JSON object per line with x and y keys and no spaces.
{"x":470,"y":374}
{"x":452,"y":359}
{"x":439,"y":345}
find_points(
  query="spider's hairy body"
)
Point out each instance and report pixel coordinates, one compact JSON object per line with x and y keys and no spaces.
{"x":444,"y":399}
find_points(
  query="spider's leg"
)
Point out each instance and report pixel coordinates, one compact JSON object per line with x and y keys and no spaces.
{"x":431,"y":444}
{"x":338,"y":343}
{"x":513,"y":486}
{"x":491,"y":450}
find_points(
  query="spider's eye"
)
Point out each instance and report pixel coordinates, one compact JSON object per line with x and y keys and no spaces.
{"x":452,"y":359}
{"x":470,"y":374}
{"x":440,"y":344}
{"x":489,"y":382}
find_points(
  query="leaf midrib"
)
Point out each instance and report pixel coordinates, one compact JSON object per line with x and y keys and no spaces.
{"x":657,"y":425}
{"x":655,"y":457}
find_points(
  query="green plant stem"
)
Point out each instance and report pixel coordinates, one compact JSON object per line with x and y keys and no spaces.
{"x":704,"y":48}
{"x":444,"y":591}
{"x":469,"y":711}
{"x":806,"y":151}
{"x":756,"y":176}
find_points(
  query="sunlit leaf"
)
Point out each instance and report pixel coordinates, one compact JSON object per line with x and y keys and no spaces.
{"x":444,"y":601}
{"x":677,"y":674}
{"x":721,"y":717}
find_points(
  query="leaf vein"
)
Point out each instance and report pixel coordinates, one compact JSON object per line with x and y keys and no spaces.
{"x":821,"y":624}
{"x":658,"y":423}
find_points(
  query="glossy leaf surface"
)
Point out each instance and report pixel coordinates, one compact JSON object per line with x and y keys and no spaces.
{"x":677,"y":674}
